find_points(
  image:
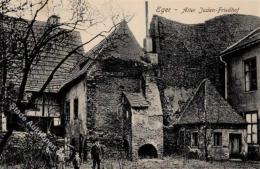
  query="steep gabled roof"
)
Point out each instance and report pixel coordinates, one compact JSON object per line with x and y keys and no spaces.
{"x":207,"y":105}
{"x":51,"y":55}
{"x":136,"y":100}
{"x":250,"y":39}
{"x":119,"y":44}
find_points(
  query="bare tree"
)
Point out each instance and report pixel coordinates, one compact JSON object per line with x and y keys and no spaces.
{"x":22,"y":47}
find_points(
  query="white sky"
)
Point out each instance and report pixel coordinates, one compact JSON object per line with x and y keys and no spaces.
{"x":136,"y":8}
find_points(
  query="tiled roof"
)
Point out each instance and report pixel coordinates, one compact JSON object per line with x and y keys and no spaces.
{"x":250,"y":39}
{"x":207,"y":105}
{"x":78,"y":73}
{"x":136,"y":100}
{"x":51,"y":55}
{"x":120,"y":44}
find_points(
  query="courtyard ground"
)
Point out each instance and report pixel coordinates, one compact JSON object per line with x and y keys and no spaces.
{"x":169,"y":163}
{"x":178,"y":163}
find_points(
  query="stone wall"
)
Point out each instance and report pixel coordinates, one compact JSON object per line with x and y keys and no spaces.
{"x":147,"y":124}
{"x":216,"y":152}
{"x":146,"y":130}
{"x":105,"y":102}
{"x":189,"y":53}
{"x":127,"y":128}
{"x":108,"y":106}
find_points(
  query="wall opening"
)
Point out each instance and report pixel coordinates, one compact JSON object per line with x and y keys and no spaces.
{"x":126,"y":148}
{"x":147,"y":151}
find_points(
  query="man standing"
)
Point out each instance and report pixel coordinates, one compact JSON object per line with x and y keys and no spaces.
{"x":96,"y":154}
{"x":76,"y":160}
{"x":60,"y":159}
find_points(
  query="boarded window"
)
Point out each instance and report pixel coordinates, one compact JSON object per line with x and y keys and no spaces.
{"x":194,"y":139}
{"x":251,"y":119}
{"x":250,"y":74}
{"x":217,"y":139}
{"x":76,"y":108}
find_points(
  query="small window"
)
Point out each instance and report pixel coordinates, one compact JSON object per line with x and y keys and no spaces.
{"x":251,"y":119}
{"x":76,"y":108}
{"x":67,"y":110}
{"x":218,"y":139}
{"x":181,"y":137}
{"x":250,"y":74}
{"x":56,"y":121}
{"x":194,"y":139}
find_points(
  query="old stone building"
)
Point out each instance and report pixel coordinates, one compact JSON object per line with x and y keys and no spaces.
{"x":242,"y":84}
{"x":47,"y":107}
{"x":188,"y":53}
{"x":140,"y":101}
{"x":143,"y":121}
{"x":93,"y":95}
{"x":209,"y":126}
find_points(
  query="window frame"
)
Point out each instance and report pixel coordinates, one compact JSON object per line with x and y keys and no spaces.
{"x":250,"y":72}
{"x":194,"y":143}
{"x":218,"y":133}
{"x":76,"y":108}
{"x":181,"y":138}
{"x":252,"y":124}
{"x":67,"y":110}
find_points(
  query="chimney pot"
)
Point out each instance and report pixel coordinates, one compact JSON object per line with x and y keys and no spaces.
{"x":53,"y":20}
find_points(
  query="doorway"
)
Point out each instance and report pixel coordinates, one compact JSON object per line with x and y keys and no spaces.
{"x":235,"y":144}
{"x":147,"y":151}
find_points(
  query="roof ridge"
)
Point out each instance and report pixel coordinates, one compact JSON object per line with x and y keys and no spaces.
{"x":203,"y":22}
{"x":241,"y":40}
{"x":91,"y":51}
{"x":192,"y":98}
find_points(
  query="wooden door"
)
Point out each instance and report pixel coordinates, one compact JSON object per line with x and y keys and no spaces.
{"x":235,"y":145}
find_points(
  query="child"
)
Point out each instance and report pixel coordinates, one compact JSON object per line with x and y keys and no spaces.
{"x":76,"y":161}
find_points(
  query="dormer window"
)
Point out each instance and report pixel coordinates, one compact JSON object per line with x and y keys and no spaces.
{"x":250,"y":74}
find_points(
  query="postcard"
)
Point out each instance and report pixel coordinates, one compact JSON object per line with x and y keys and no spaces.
{"x":127,"y":84}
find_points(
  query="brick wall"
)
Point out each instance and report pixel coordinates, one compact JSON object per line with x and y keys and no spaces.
{"x":105,"y":103}
{"x":189,"y":53}
{"x":147,"y":124}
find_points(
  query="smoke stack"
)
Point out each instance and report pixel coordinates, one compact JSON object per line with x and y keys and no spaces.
{"x":147,"y":41}
{"x":146,"y":19}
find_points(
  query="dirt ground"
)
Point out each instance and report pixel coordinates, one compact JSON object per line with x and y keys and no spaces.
{"x":177,"y":163}
{"x":169,"y":163}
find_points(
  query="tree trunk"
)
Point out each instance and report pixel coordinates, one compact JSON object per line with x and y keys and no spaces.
{"x":5,"y":139}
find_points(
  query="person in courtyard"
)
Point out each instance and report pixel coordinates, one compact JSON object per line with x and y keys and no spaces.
{"x":96,"y":154}
{"x":60,"y":159}
{"x":47,"y":157}
{"x":76,"y":161}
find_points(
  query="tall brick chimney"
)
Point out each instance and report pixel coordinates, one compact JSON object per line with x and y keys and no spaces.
{"x":148,"y":40}
{"x":150,"y":57}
